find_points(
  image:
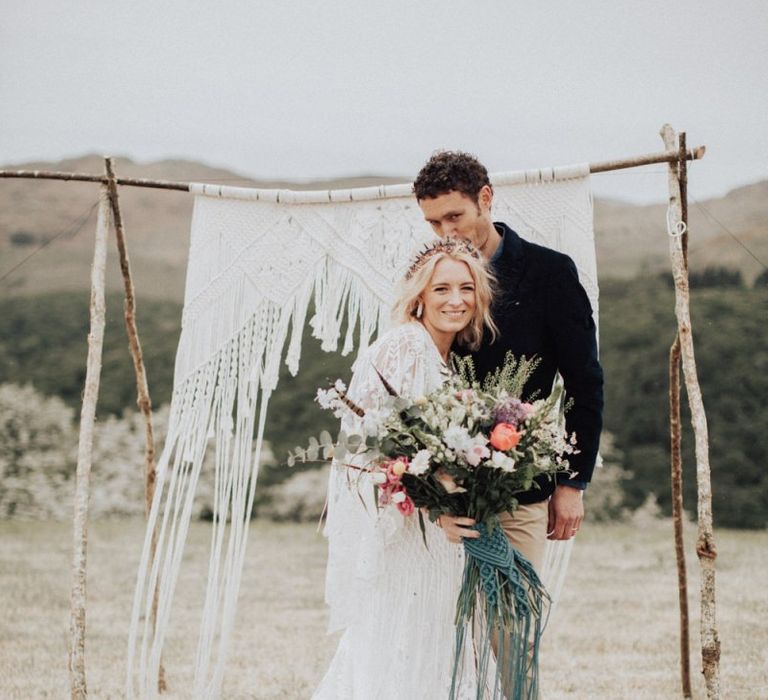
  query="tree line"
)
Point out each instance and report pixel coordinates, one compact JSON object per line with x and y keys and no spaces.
{"x":43,"y":343}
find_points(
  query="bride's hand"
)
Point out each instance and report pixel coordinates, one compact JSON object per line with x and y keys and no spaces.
{"x":457,"y":527}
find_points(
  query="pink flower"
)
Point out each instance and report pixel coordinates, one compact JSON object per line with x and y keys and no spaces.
{"x":406,"y":507}
{"x":528,"y":408}
{"x":396,"y":468}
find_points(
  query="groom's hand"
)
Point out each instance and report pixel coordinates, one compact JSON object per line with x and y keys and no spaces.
{"x":457,"y":528}
{"x":566,"y":511}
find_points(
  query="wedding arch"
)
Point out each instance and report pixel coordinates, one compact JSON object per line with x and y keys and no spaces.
{"x":258,"y":260}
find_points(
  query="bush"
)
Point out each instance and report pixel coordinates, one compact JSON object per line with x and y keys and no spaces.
{"x":716,"y":277}
{"x":23,"y":238}
{"x":37,"y":454}
{"x":300,"y":498}
{"x":761,"y":280}
{"x":604,"y":497}
{"x":38,"y":458}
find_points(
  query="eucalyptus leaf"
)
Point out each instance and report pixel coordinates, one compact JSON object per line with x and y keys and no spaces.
{"x":354,"y":441}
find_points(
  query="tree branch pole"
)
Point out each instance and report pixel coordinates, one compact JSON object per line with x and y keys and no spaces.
{"x":705,"y":547}
{"x":676,"y":462}
{"x":143,"y":400}
{"x":76,"y":664}
{"x":670,"y":156}
{"x":677,"y":514}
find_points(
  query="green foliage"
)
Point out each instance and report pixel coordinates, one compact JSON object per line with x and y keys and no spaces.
{"x":637,"y":329}
{"x":716,"y":276}
{"x":323,"y":449}
{"x":293,"y":412}
{"x":22,"y":238}
{"x":762,"y":279}
{"x":511,"y":377}
{"x":43,"y":341}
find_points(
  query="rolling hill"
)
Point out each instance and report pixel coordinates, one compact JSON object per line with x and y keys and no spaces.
{"x":631,"y":239}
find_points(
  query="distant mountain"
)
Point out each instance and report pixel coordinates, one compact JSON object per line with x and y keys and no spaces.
{"x":631,"y":239}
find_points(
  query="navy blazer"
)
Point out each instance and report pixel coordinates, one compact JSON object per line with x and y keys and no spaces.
{"x":542,"y":310}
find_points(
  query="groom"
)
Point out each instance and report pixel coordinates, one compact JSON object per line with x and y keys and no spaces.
{"x":541,"y":310}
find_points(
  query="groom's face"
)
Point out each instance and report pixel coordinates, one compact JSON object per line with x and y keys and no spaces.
{"x":456,"y":214}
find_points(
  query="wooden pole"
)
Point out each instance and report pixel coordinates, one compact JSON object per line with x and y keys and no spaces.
{"x":86,"y":177}
{"x":705,"y":547}
{"x":676,"y":459}
{"x":76,"y":664}
{"x":142,"y":389}
{"x":650,"y":159}
{"x":598,"y":167}
{"x":677,"y":514}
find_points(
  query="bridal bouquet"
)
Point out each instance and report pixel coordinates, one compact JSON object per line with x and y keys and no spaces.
{"x":466,"y":449}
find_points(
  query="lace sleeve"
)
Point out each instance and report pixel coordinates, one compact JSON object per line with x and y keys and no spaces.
{"x":355,"y":529}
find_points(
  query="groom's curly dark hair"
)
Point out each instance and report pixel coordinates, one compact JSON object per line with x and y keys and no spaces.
{"x":446,"y":171}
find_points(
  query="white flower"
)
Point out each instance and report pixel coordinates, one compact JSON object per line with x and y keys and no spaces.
{"x":398,"y":497}
{"x":457,"y":438}
{"x":420,"y":463}
{"x":379,"y":477}
{"x":476,"y":454}
{"x":325,"y":398}
{"x":340,"y":386}
{"x":501,"y":461}
{"x":475,"y":450}
{"x":458,"y":414}
{"x":373,"y":421}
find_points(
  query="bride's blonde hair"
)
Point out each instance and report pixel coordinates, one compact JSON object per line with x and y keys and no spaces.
{"x":415,"y":281}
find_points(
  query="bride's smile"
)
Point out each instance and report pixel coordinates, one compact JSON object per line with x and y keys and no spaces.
{"x":448,"y":302}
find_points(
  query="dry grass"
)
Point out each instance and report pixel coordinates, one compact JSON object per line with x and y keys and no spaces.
{"x":615,"y":635}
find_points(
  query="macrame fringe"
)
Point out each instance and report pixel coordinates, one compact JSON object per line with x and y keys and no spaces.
{"x":505,"y":603}
{"x":225,"y":402}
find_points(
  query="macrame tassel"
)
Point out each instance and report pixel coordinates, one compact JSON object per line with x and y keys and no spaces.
{"x":504,"y":601}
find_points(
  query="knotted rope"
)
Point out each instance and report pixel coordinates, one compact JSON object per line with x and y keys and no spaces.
{"x":503,"y":600}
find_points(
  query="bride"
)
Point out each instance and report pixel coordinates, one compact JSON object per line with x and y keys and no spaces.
{"x":394,"y":598}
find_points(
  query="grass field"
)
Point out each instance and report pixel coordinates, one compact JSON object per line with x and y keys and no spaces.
{"x":615,"y":635}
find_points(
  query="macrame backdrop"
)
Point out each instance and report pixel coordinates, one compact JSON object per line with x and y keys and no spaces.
{"x":257,"y":259}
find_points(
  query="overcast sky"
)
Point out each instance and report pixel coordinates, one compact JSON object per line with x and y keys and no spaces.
{"x":328,"y":88}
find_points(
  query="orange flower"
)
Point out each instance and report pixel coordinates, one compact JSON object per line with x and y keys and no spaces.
{"x":505,"y":436}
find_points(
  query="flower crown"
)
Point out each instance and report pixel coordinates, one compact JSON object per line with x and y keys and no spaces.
{"x":446,"y":245}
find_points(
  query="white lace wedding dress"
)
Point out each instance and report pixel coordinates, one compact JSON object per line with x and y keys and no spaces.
{"x":394,"y":598}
